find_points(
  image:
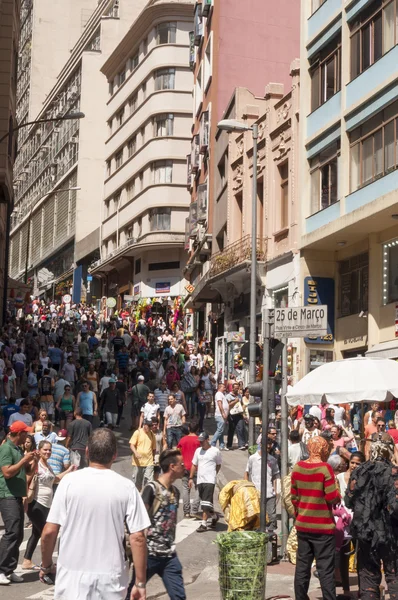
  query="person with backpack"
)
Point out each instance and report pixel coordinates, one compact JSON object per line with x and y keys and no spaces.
{"x":161,"y":499}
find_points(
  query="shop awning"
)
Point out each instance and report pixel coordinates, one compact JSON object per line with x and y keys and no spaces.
{"x":384,"y":350}
{"x":17,"y":288}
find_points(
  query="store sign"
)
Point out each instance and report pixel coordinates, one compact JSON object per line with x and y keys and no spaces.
{"x":162,"y":287}
{"x":301,"y":321}
{"x":136,"y":289}
{"x":235,"y":336}
{"x":67,"y":299}
{"x":190,"y":288}
{"x":320,"y":291}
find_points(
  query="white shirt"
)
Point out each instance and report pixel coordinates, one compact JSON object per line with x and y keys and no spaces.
{"x":44,"y":489}
{"x":27,"y":419}
{"x":59,"y":388}
{"x":97,"y":568}
{"x":254,"y":469}
{"x":150,"y":411}
{"x":315,"y":411}
{"x":293,"y":454}
{"x":220,"y":396}
{"x":338,"y":415}
{"x":206,"y":462}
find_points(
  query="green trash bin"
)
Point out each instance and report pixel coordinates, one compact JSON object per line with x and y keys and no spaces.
{"x":242,"y":564}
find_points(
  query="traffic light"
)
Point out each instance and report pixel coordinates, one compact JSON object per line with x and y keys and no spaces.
{"x":256,"y":389}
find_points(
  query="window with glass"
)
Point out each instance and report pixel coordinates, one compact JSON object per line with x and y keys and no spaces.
{"x":120,"y":117}
{"x":143,"y":88}
{"x":119,"y":159}
{"x":160,"y":219}
{"x":108,"y":168}
{"x":325,"y":74}
{"x":134,"y":61}
{"x":122,"y":76}
{"x":166,"y":33}
{"x":163,"y":171}
{"x":324,"y":170}
{"x":142,"y":133}
{"x":284,"y":194}
{"x":164,"y":125}
{"x":354,"y":284}
{"x":390,"y":272}
{"x":373,"y":34}
{"x":373,"y":151}
{"x":133,"y":104}
{"x":132,"y":146}
{"x":130,"y":190}
{"x":315,"y":4}
{"x":165,"y":79}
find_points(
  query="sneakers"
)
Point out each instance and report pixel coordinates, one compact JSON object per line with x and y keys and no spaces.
{"x":242,"y":448}
{"x":225,"y":449}
{"x":14,"y":578}
{"x":201,"y":528}
{"x":4,"y":580}
{"x":214,"y":521}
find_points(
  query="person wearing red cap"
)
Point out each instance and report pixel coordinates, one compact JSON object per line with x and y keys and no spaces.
{"x":13,"y":469}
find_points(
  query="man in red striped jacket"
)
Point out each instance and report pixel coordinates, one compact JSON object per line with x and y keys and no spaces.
{"x":314,"y":492}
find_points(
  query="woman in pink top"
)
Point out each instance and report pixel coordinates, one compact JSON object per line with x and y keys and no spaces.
{"x":328,"y":420}
{"x":339,"y":440}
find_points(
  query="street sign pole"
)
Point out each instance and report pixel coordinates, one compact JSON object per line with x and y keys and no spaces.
{"x":284,"y":445}
{"x":267,"y":321}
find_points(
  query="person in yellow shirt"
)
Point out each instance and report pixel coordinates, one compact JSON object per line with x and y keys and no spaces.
{"x":143,"y":447}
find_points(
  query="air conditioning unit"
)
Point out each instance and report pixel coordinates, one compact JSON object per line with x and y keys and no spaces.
{"x":74,"y":140}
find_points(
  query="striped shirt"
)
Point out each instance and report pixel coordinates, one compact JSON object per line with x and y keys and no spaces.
{"x":162,"y":398}
{"x":313,"y":492}
{"x":59,"y":460}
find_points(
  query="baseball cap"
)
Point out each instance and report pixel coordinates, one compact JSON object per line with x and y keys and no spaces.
{"x":112,"y":380}
{"x":141,"y":378}
{"x":18,"y":426}
{"x":62,"y":435}
{"x":203,"y":436}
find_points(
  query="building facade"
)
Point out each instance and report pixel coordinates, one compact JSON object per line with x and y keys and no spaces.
{"x":55,"y":229}
{"x":349,"y":177}
{"x":149,"y":116}
{"x":230,"y":46}
{"x":9,"y":35}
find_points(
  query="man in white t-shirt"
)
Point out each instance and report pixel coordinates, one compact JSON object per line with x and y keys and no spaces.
{"x":23,"y":414}
{"x":150,"y":410}
{"x":221,"y":416}
{"x":96,"y":495}
{"x":340,"y":416}
{"x":207,"y":462}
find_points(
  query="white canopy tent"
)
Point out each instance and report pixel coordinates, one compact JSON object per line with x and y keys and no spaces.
{"x":345,"y":381}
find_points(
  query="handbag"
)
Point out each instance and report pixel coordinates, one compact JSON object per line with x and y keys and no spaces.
{"x":32,"y":488}
{"x":237,"y":409}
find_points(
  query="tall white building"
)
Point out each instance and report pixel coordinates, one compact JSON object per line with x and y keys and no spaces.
{"x":149,"y":117}
{"x":55,"y":230}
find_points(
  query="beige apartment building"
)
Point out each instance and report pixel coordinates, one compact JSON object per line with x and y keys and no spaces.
{"x":9,"y":34}
{"x":227,"y":281}
{"x":55,"y":229}
{"x":149,"y":116}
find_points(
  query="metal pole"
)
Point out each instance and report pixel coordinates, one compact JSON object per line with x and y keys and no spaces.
{"x":253,"y":284}
{"x":264,"y":422}
{"x":27,"y":248}
{"x":284,"y":444}
{"x":6,"y":260}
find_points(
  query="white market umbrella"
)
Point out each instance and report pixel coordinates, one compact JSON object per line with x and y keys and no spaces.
{"x":349,"y":380}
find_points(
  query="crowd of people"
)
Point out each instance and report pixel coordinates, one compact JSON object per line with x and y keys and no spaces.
{"x":67,"y":380}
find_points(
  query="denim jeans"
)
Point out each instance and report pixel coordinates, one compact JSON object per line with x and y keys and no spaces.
{"x":169,"y":570}
{"x":173,"y":435}
{"x":12,"y":513}
{"x":219,"y":435}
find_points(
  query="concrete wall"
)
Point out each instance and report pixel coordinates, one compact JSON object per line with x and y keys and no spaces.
{"x":57,"y":25}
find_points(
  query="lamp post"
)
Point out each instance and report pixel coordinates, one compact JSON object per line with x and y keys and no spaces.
{"x":67,"y":117}
{"x":234,"y":126}
{"x":71,"y":189}
{"x":10,"y":134}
